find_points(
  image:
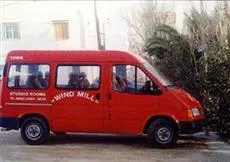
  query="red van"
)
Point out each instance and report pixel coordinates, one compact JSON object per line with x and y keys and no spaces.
{"x":94,"y":92}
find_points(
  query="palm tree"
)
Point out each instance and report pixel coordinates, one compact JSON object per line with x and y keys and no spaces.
{"x":165,"y":38}
{"x":172,"y":56}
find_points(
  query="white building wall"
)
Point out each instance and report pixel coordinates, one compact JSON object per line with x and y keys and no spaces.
{"x":36,"y":28}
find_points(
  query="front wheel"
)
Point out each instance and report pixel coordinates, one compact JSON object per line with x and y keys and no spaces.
{"x":34,"y":131}
{"x":162,"y":134}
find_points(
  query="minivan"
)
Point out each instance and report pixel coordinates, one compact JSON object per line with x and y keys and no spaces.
{"x":93,"y":92}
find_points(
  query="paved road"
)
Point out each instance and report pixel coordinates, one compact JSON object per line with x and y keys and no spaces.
{"x":93,"y":148}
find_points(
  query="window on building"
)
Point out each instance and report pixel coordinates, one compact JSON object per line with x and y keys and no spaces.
{"x":11,"y":30}
{"x":78,"y":77}
{"x":61,"y":29}
{"x":131,"y":79}
{"x":29,"y":76}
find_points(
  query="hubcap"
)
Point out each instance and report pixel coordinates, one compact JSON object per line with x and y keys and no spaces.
{"x":33,"y":131}
{"x":163,"y":135}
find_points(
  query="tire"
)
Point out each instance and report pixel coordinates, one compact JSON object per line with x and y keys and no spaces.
{"x":162,"y":134}
{"x":34,"y":131}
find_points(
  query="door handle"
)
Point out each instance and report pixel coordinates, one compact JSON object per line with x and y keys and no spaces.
{"x":98,"y":96}
{"x":109,"y":96}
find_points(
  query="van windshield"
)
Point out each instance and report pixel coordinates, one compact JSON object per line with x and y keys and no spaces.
{"x":161,"y":78}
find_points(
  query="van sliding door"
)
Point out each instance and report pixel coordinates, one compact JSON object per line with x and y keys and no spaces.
{"x":78,"y":99}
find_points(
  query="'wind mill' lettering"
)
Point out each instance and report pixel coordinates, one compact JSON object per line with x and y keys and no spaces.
{"x":71,"y":94}
{"x":62,"y":96}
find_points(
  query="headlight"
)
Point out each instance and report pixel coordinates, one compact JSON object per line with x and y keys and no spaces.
{"x":195,"y":112}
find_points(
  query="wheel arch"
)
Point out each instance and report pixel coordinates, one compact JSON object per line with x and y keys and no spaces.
{"x":154,"y":118}
{"x":26,"y":116}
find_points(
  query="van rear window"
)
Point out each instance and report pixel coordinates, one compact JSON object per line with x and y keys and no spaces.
{"x":29,"y":76}
{"x":78,"y":77}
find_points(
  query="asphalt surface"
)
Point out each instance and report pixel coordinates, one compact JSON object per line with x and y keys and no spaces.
{"x":94,"y":147}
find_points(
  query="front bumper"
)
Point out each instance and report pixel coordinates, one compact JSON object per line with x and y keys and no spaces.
{"x":11,"y":123}
{"x":190,"y":127}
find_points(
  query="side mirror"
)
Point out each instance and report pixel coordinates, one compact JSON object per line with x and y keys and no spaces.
{"x":151,"y":88}
{"x":156,"y":92}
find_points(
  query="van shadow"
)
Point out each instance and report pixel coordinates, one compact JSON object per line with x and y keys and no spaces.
{"x":132,"y":141}
{"x":97,"y":139}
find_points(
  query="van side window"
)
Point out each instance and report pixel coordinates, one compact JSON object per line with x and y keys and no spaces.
{"x":144,"y":84}
{"x":29,"y":76}
{"x":131,"y":79}
{"x":78,"y":77}
{"x":124,"y":78}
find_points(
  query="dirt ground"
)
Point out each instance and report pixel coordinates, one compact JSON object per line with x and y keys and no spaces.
{"x":93,"y":148}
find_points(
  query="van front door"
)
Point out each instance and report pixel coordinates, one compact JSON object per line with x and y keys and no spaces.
{"x":130,"y":99}
{"x":78,"y":100}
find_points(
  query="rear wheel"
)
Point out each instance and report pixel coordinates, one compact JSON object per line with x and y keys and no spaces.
{"x":34,"y":131}
{"x":162,"y":134}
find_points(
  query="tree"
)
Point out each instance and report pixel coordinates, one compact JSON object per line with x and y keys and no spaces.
{"x":208,"y":32}
{"x":217,"y":90}
{"x":142,"y":23}
{"x":172,"y":55}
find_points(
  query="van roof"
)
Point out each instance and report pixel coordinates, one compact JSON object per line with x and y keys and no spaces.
{"x":19,"y":56}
